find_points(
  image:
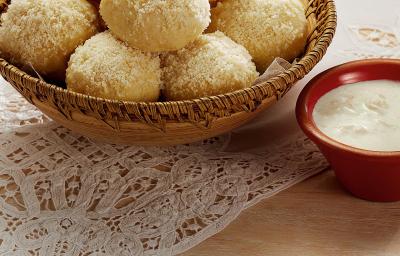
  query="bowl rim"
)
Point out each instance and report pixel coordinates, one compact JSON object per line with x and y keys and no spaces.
{"x":308,"y":125}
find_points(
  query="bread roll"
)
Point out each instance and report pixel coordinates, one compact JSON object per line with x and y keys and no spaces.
{"x":267,"y":28}
{"x":156,"y":25}
{"x":106,"y":67}
{"x":42,"y":34}
{"x":211,"y":65}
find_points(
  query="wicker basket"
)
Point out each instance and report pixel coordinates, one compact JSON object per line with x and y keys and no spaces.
{"x":172,"y":122}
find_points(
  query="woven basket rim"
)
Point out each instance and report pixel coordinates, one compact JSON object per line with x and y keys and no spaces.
{"x":289,"y":76}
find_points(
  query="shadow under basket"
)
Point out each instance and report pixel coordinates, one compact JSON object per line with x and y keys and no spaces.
{"x":179,"y":122}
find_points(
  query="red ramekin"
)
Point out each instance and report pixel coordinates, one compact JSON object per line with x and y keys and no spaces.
{"x":370,"y":175}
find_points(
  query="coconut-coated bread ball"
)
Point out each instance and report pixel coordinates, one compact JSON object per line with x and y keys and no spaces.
{"x":106,"y":67}
{"x":267,"y":28}
{"x":42,"y":34}
{"x":156,"y":25}
{"x":211,"y":65}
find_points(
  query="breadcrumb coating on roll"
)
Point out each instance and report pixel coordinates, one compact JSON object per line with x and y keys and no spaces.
{"x":42,"y":34}
{"x":156,"y":25}
{"x":106,"y":67}
{"x":211,"y":65}
{"x":266,"y":28}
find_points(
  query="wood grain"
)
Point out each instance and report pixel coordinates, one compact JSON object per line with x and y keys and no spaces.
{"x":316,"y":217}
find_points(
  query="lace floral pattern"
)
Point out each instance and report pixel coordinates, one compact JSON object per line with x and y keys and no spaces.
{"x":63,"y":194}
{"x":14,"y":111}
{"x":374,"y":40}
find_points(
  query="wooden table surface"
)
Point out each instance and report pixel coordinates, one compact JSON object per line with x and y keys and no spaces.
{"x":315,"y":217}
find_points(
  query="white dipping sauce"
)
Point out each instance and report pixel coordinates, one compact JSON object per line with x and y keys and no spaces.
{"x":364,"y":115}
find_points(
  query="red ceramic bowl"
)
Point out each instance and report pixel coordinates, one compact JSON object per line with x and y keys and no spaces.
{"x":370,"y":175}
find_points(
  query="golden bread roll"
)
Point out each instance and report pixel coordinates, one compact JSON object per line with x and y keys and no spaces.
{"x":266,"y":28}
{"x":211,"y":65}
{"x":106,"y":67}
{"x":42,"y":34}
{"x":156,"y":25}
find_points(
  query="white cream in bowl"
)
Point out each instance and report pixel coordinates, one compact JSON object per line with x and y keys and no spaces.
{"x":364,"y":115}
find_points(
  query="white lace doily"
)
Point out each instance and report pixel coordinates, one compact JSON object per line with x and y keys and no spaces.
{"x":63,"y":194}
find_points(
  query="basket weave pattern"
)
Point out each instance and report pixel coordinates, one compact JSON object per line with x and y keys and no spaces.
{"x":202,"y":112}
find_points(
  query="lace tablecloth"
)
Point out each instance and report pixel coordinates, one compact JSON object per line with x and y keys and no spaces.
{"x":63,"y":194}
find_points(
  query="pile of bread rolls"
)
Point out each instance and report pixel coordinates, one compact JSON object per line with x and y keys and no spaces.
{"x":152,"y":49}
